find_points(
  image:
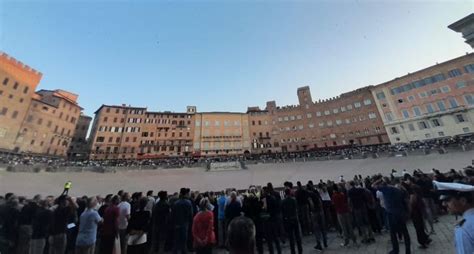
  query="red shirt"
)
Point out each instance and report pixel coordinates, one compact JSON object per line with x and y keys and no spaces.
{"x":203,"y":229}
{"x":110,"y":226}
{"x":340,"y":202}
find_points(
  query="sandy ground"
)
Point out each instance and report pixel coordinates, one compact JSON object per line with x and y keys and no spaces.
{"x":198,"y":179}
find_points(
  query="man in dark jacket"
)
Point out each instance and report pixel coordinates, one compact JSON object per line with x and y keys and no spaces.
{"x":290,"y":221}
{"x":160,"y":214}
{"x":181,"y":217}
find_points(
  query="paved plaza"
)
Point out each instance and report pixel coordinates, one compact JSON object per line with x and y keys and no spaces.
{"x":443,"y":242}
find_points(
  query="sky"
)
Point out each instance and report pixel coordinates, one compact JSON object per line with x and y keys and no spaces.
{"x":225,"y":55}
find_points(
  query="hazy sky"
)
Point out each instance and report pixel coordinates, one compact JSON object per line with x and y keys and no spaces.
{"x":225,"y":55}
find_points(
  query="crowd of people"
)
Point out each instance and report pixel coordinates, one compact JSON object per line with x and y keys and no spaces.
{"x":242,"y":221}
{"x":179,"y":162}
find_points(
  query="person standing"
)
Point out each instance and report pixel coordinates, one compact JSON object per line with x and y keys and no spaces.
{"x":317,"y":217}
{"x":124,"y":215}
{"x":396,"y":204}
{"x":25,"y":225}
{"x":416,"y":211}
{"x":344,"y":217}
{"x":221,"y":227}
{"x":203,"y":229}
{"x":160,"y":217}
{"x":233,"y":208}
{"x":40,"y":228}
{"x":110,"y":231}
{"x":290,"y":221}
{"x":138,"y":227}
{"x":459,"y":200}
{"x":87,"y":235}
{"x":181,"y":217}
{"x":59,"y":225}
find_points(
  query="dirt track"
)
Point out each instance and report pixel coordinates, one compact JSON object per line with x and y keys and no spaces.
{"x":198,"y":179}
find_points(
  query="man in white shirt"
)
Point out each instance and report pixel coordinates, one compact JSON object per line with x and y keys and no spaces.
{"x":124,"y":216}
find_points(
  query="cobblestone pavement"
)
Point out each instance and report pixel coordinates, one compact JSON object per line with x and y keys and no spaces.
{"x":443,"y":241}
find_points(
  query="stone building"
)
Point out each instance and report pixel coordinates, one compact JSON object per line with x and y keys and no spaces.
{"x":221,"y":133}
{"x":260,"y":131}
{"x":465,"y":26}
{"x":79,"y":147}
{"x":435,"y":102}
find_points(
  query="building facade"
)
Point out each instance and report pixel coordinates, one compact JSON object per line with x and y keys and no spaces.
{"x":41,"y":122}
{"x":50,"y":123}
{"x":18,"y":85}
{"x":260,"y":130}
{"x":349,"y":119}
{"x":221,"y":133}
{"x":126,"y":132}
{"x":435,"y":102}
{"x":79,"y":147}
{"x":465,"y":26}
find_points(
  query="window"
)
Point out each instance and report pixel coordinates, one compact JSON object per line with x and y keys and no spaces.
{"x":411,"y":98}
{"x":5,"y":81}
{"x":469,"y":68}
{"x":4,"y":111}
{"x":380,"y":95}
{"x":105,"y":118}
{"x":469,"y":99}
{"x":217,"y":123}
{"x":465,"y":129}
{"x":372,"y":115}
{"x":394,"y":130}
{"x":460,"y":118}
{"x":318,"y":113}
{"x":411,"y":127}
{"x":441,"y":133}
{"x":453,"y":103}
{"x":389,"y":117}
{"x":343,"y":109}
{"x":308,"y":115}
{"x":405,"y":114}
{"x":436,"y":122}
{"x":349,"y":107}
{"x":14,"y":114}
{"x":422,"y":125}
{"x":292,"y":118}
{"x":441,"y":105}
{"x":460,"y":84}
{"x":335,"y":111}
{"x":454,"y":73}
{"x":310,"y":126}
{"x":422,"y":95}
{"x":429,"y":108}
{"x":15,"y":86}
{"x":427,"y":135}
{"x":445,"y":89}
{"x":338,"y":122}
{"x":357,"y":104}
{"x":321,"y":124}
{"x":416,"y":111}
{"x":326,"y":112}
{"x":329,"y":123}
{"x":25,"y":90}
{"x":367,"y":101}
{"x":100,"y":139}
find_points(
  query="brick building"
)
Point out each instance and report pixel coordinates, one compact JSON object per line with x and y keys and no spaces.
{"x":260,"y":130}
{"x":351,"y":118}
{"x":18,"y":85}
{"x":435,"y":102}
{"x":41,"y":122}
{"x":79,"y":147}
{"x":126,"y":132}
{"x":221,"y":133}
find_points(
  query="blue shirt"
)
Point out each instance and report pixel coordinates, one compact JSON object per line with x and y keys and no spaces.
{"x":88,"y":228}
{"x":395,"y":200}
{"x":221,"y":207}
{"x":464,"y":234}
